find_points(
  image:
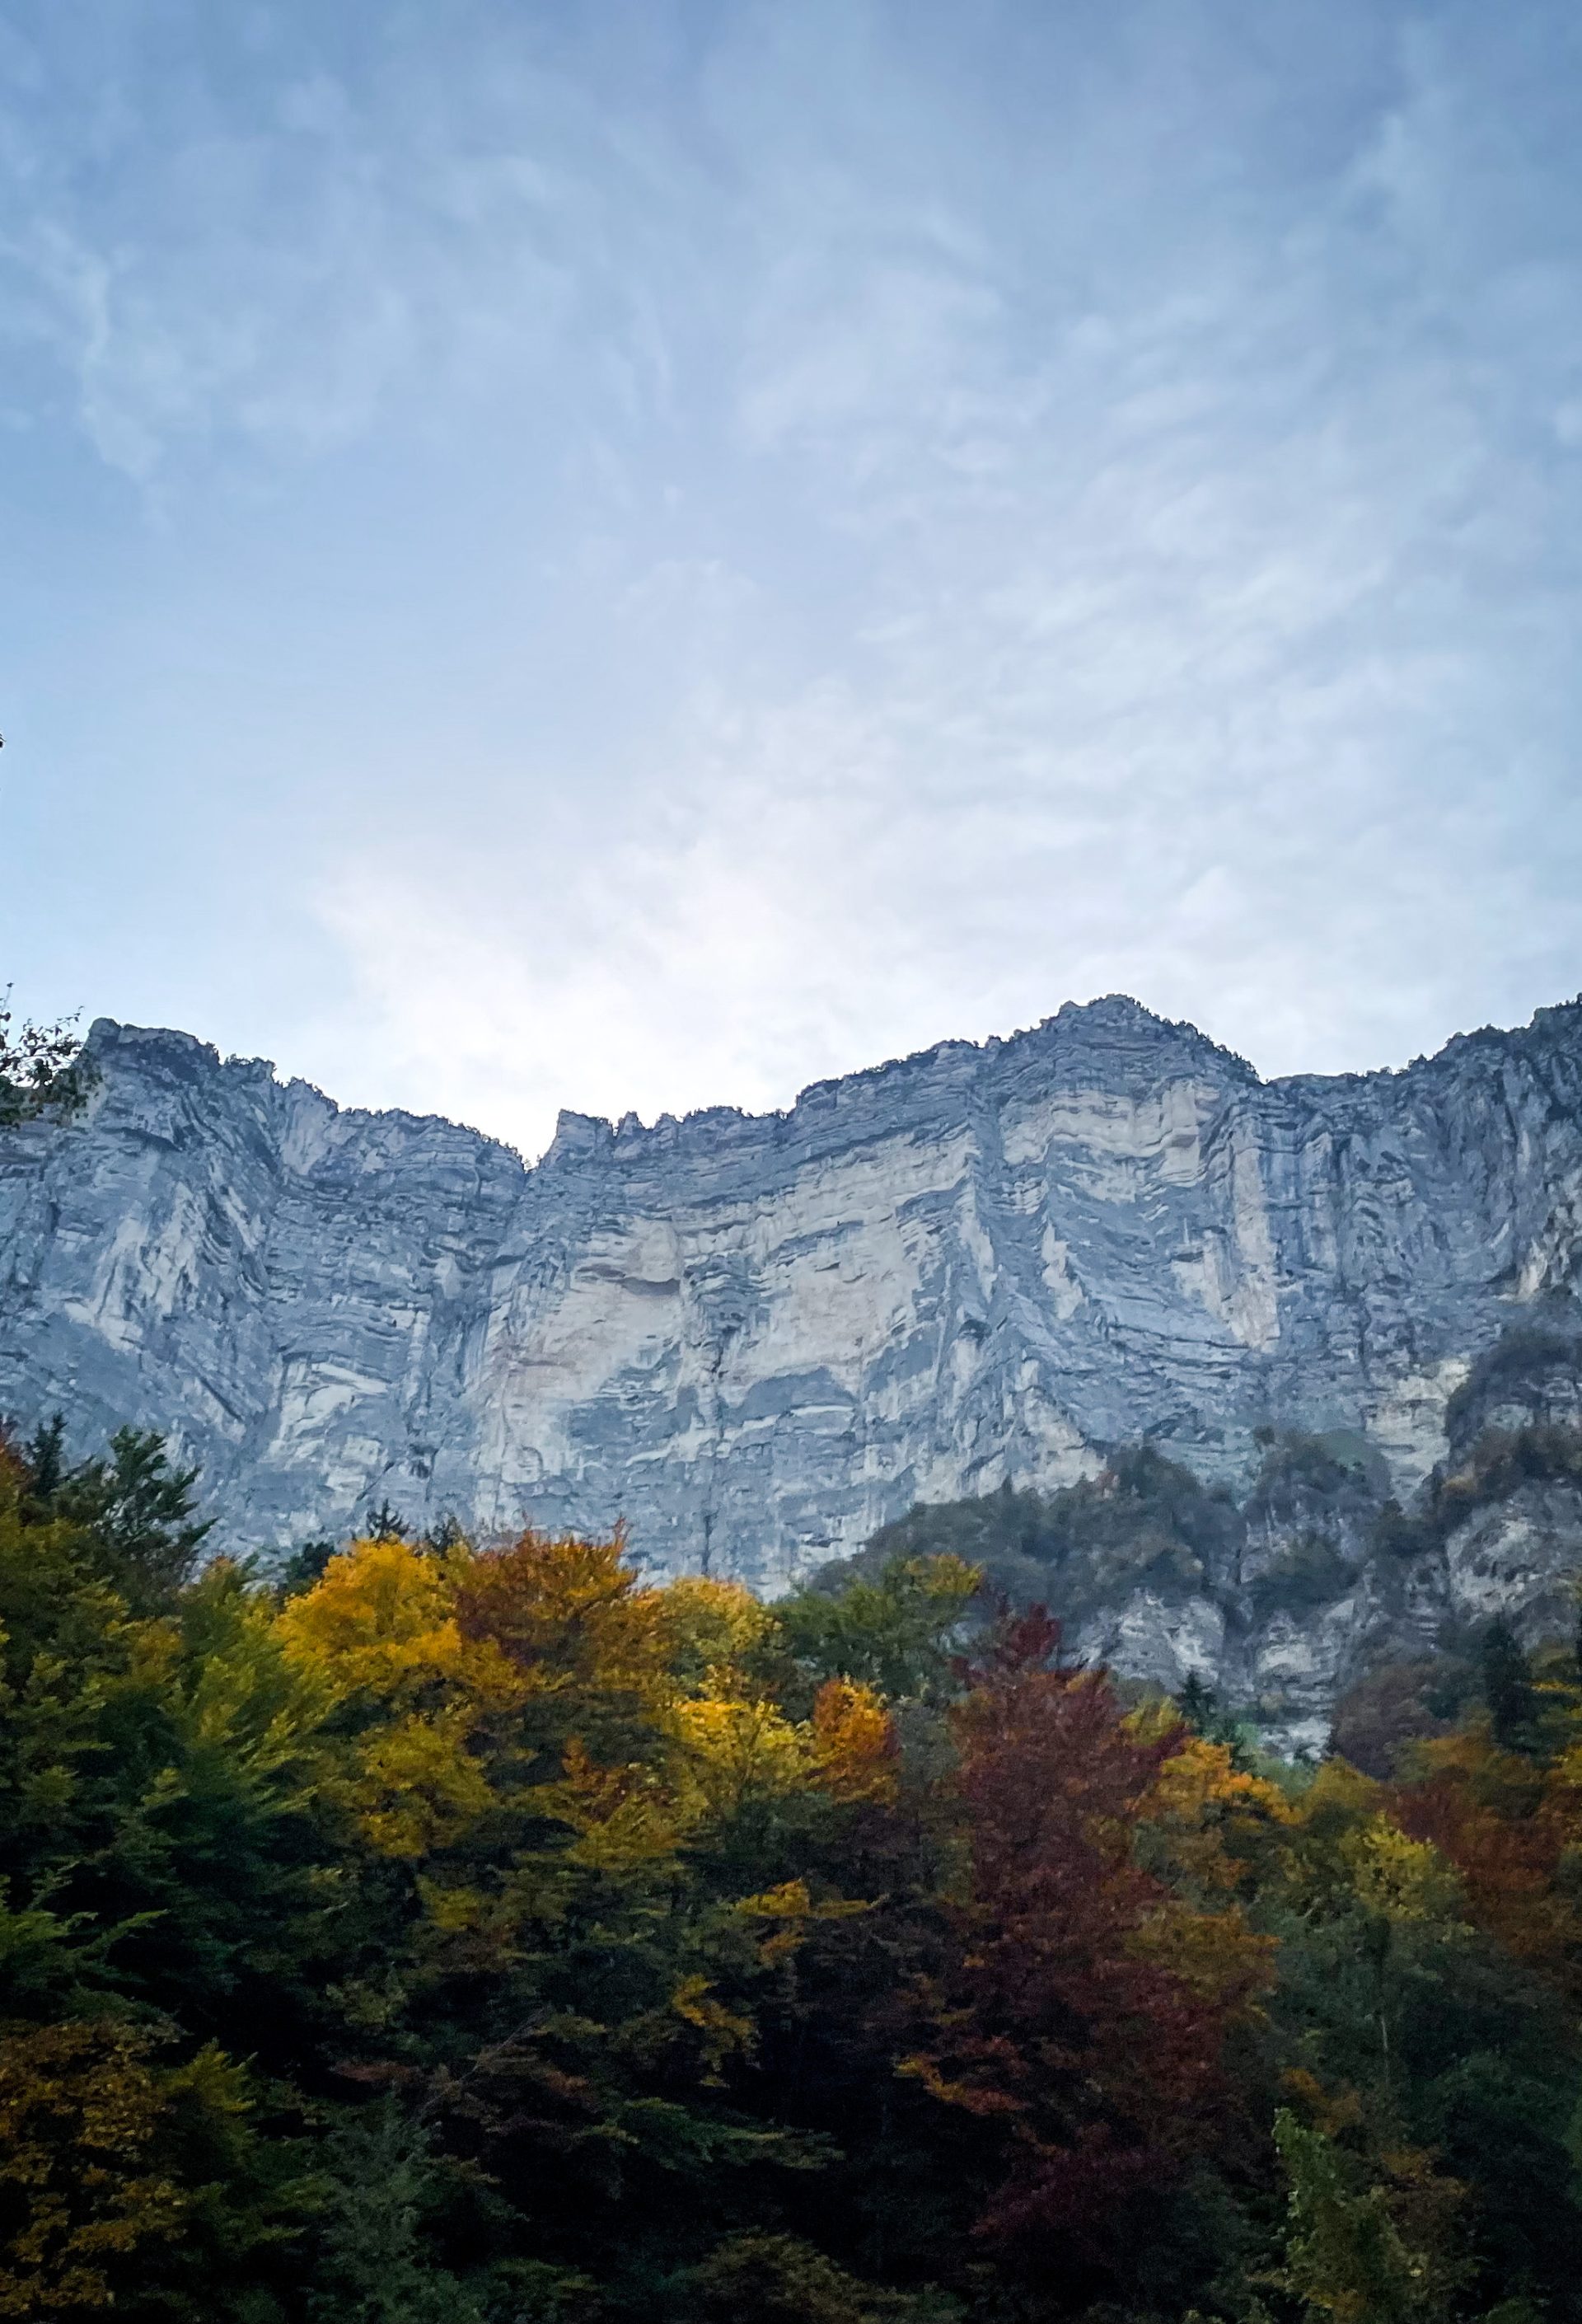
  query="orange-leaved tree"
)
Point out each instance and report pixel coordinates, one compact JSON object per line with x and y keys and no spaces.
{"x":1506,"y":1824}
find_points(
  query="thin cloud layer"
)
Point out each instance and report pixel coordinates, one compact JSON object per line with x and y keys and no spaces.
{"x":639,"y":558}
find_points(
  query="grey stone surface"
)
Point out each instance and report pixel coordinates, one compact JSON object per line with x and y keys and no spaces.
{"x":758,"y":1338}
{"x":1519,"y":1558}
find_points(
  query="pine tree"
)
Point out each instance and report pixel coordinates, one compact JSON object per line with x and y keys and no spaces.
{"x":1508,"y":1690}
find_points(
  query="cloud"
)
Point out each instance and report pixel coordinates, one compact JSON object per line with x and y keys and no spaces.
{"x":909,"y":516}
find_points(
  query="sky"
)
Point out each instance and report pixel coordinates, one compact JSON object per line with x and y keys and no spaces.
{"x":635,"y":554}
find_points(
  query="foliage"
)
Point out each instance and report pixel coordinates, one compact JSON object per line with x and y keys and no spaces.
{"x":1142,"y":1520}
{"x":134,"y":1506}
{"x":1346,"y":2257}
{"x":43,"y":1072}
{"x":1200,"y":1709}
{"x":79,"y":2110}
{"x":1395,"y":1705}
{"x":1087,"y":2006}
{"x":373,"y":2266}
{"x":1507,"y":1690}
{"x":490,"y":1934}
{"x":779,"y":2280}
{"x":895,"y":1632}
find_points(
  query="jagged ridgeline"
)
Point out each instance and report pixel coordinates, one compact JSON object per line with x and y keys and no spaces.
{"x":758,"y":1340}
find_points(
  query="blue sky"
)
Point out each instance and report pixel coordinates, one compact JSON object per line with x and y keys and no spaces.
{"x":640,"y":555}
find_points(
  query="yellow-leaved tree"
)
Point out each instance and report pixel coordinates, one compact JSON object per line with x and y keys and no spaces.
{"x":379,"y":1633}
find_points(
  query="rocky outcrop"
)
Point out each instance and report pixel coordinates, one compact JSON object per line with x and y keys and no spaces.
{"x":1283,"y":1599}
{"x":757,"y":1339}
{"x":1519,"y":1556}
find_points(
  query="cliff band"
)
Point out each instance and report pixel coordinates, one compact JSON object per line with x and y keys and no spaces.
{"x":759,"y":1338}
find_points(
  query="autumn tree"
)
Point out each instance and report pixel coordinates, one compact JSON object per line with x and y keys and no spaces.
{"x":80,"y":2189}
{"x":495,"y":1934}
{"x":1085,"y":2015}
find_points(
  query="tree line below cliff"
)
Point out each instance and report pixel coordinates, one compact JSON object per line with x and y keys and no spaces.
{"x":489,"y":1935}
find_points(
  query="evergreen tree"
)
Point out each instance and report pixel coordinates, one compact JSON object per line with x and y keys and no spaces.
{"x":1507,"y":1689}
{"x":374,"y":2268}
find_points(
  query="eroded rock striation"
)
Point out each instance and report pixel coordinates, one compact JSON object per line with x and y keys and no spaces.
{"x":759,"y":1338}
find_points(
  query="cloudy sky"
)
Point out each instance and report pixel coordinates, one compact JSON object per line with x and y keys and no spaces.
{"x":637,"y":553}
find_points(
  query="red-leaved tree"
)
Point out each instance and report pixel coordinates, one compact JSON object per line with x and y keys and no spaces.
{"x":1087,"y":2004}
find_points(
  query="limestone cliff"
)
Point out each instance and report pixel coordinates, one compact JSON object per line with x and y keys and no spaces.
{"x":759,"y":1338}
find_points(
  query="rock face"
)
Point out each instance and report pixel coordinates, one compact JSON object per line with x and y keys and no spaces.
{"x":1309,"y":1596}
{"x":757,"y":1339}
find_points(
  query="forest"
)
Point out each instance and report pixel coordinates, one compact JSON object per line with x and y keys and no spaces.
{"x":488,"y":1933}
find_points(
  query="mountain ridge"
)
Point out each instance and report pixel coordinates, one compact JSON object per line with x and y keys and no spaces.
{"x":1103,"y":1006}
{"x":107,"y":1029}
{"x":758,"y":1338}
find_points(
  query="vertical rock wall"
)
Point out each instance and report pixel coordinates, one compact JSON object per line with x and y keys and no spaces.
{"x":758,"y":1338}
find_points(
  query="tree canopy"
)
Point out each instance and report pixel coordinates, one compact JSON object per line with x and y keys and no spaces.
{"x":487,"y":1934}
{"x":42,"y":1070}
